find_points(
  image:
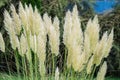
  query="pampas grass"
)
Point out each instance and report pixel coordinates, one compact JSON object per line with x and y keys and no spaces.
{"x":28,"y":32}
{"x":85,"y":48}
{"x":2,"y":44}
{"x":102,"y":72}
{"x":57,"y":74}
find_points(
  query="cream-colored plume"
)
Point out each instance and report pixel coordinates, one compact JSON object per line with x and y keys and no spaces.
{"x":92,"y":31}
{"x":102,"y":72}
{"x":67,"y":37}
{"x":41,"y":48}
{"x":34,"y":20}
{"x":89,"y":65}
{"x":100,"y":49}
{"x":57,"y":74}
{"x":10,"y":28}
{"x":23,"y":45}
{"x":14,"y":41}
{"x":42,"y":69}
{"x":8,"y":22}
{"x":73,"y":39}
{"x":87,"y":47}
{"x":108,"y":44}
{"x":2,"y":43}
{"x":24,"y":14}
{"x":16,"y":20}
{"x":53,"y":33}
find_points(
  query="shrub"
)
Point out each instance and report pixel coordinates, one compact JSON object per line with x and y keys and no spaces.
{"x":28,"y":33}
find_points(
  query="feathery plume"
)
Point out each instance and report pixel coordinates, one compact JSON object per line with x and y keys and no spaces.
{"x":16,"y":20}
{"x":10,"y":28}
{"x":73,"y":39}
{"x":57,"y":74}
{"x":8,"y":21}
{"x":42,"y":69}
{"x":89,"y":65}
{"x":102,"y":72}
{"x":41,"y":47}
{"x":56,"y":23}
{"x":67,"y":37}
{"x":77,"y":31}
{"x":23,"y":45}
{"x":53,"y":33}
{"x":99,"y":50}
{"x":87,"y":47}
{"x":37,"y":22}
{"x":14,"y":41}
{"x":31,"y":20}
{"x":77,"y":60}
{"x":108,"y":44}
{"x":2,"y":44}
{"x":24,"y":16}
{"x":92,"y":31}
{"x":31,"y":38}
{"x":41,"y":50}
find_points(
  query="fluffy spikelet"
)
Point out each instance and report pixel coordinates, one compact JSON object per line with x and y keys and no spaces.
{"x":77,"y":31}
{"x":31,"y":19}
{"x":31,"y":38}
{"x":87,"y":47}
{"x":16,"y":20}
{"x":73,"y":39}
{"x":81,"y":62}
{"x":67,"y":38}
{"x":102,"y":72}
{"x":57,"y":74}
{"x":37,"y":21}
{"x":24,"y":13}
{"x":2,"y":44}
{"x":76,"y":58}
{"x":14,"y":41}
{"x":89,"y":65}
{"x":47,"y":22}
{"x":69,"y":60}
{"x":109,"y":44}
{"x":56,"y":25}
{"x":92,"y":31}
{"x":41,"y":50}
{"x":41,"y":47}
{"x":23,"y":45}
{"x":54,"y":36}
{"x":8,"y":22}
{"x":10,"y":28}
{"x":53,"y":33}
{"x":99,"y":50}
{"x":42,"y":69}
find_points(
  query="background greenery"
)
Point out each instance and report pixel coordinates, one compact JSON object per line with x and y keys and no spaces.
{"x":59,"y":7}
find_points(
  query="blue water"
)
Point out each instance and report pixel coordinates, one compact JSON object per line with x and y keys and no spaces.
{"x":103,"y":5}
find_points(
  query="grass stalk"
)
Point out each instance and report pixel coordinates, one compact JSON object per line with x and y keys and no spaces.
{"x":24,"y":68}
{"x":17,"y":63}
{"x":35,"y":58}
{"x":8,"y":66}
{"x":36,"y":68}
{"x":30,"y":57}
{"x":92,"y":75}
{"x":53,"y":66}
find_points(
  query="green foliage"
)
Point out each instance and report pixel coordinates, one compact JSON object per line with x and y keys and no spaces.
{"x":4,"y":76}
{"x":2,"y":2}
